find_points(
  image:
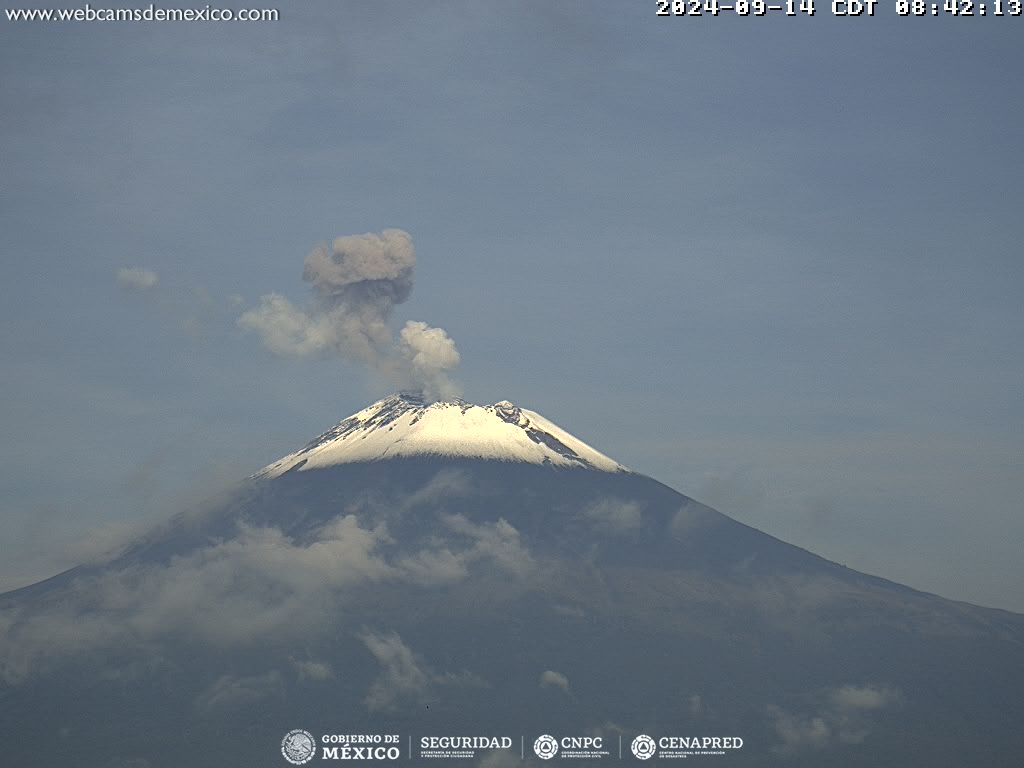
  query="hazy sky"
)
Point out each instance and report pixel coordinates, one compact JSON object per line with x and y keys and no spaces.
{"x":772,"y":262}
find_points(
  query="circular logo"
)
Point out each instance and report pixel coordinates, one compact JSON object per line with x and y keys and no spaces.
{"x":643,"y":747}
{"x":546,"y":747}
{"x":298,"y":746}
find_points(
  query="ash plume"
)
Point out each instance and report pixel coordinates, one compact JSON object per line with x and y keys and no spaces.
{"x":356,"y":282}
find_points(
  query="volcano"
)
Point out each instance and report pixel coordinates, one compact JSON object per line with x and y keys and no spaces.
{"x":463,"y":582}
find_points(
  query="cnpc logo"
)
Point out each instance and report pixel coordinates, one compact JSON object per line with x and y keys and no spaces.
{"x":547,"y":746}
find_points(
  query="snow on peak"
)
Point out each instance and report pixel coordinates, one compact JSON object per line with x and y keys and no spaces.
{"x":406,"y":425}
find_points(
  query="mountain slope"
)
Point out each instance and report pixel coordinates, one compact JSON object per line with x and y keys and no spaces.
{"x":432,"y":594}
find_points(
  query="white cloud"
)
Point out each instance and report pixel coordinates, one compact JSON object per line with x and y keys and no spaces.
{"x":403,"y":680}
{"x":863,"y":697}
{"x":137,"y":278}
{"x":799,"y":733}
{"x":845,"y":717}
{"x":400,"y":679}
{"x":313,"y":670}
{"x":851,"y":705}
{"x":687,"y":518}
{"x":497,"y":541}
{"x":230,"y":692}
{"x":448,"y":560}
{"x":257,"y":584}
{"x":431,"y":567}
{"x":614,"y":515}
{"x":446,"y":484}
{"x":551,"y":679}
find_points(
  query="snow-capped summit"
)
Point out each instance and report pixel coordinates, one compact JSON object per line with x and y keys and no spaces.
{"x":406,"y":425}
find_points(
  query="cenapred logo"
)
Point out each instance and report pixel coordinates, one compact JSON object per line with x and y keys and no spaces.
{"x":643,"y":747}
{"x":545,"y":747}
{"x":298,"y":746}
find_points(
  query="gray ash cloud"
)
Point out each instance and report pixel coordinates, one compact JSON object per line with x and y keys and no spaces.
{"x":357,"y":281}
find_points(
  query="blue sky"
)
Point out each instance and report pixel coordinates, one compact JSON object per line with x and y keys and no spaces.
{"x":773,"y":262}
